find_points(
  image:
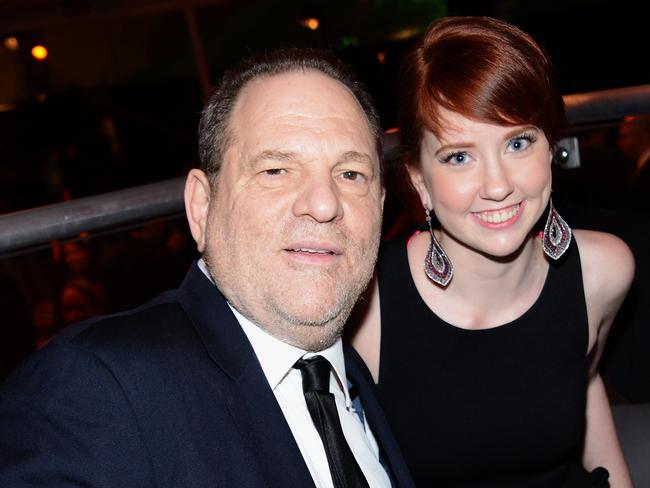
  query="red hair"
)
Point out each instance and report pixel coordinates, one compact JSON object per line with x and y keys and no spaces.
{"x":482,"y":68}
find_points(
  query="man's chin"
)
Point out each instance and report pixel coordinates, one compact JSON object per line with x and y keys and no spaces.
{"x":311,"y":328}
{"x":311,"y":311}
{"x":314,"y":338}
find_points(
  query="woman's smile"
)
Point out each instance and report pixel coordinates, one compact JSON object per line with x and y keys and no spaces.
{"x":499,"y":218}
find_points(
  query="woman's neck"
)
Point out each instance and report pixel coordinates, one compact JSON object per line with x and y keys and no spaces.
{"x":485,"y":291}
{"x":476,"y":272}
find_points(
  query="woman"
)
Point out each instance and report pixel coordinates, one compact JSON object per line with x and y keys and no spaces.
{"x":484,"y":331}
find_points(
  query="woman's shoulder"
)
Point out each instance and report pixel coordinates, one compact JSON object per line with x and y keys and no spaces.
{"x":607,"y":264}
{"x":606,"y":251}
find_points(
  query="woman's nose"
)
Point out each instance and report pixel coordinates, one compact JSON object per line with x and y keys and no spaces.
{"x":496,"y":184}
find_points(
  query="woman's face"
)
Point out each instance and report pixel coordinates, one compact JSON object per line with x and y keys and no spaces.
{"x":487,"y":184}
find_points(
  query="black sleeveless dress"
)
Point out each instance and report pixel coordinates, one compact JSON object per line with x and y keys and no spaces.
{"x":500,"y":407}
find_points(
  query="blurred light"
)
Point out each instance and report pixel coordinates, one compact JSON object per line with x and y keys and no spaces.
{"x":39,"y":52}
{"x":381,"y":57}
{"x":41,"y":97}
{"x":11,"y":43}
{"x":6,"y":107}
{"x":349,"y":41}
{"x":404,"y":34}
{"x":310,"y":23}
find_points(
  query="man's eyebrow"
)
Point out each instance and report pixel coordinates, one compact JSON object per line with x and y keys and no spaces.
{"x":357,"y":157}
{"x":273,"y":155}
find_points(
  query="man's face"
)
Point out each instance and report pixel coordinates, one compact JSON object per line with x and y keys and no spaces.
{"x":292,"y":227}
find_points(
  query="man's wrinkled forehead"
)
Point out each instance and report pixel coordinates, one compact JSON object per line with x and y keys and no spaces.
{"x":304,"y":99}
{"x":296,"y":89}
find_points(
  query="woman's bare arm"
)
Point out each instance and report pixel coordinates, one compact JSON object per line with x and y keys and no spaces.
{"x":608,"y":270}
{"x":364,"y":328}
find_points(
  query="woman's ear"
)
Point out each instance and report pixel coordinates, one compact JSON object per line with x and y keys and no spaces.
{"x":197,"y":204}
{"x":417,"y":180}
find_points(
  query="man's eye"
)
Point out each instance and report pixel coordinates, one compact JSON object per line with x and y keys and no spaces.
{"x":273,"y":171}
{"x":353,"y":176}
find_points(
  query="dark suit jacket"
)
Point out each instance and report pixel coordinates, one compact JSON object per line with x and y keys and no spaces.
{"x":169,"y":394}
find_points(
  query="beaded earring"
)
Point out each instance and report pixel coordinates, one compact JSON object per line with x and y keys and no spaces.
{"x":557,"y":234}
{"x":437,"y":265}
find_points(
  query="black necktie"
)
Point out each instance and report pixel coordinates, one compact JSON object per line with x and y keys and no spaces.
{"x":345,"y":471}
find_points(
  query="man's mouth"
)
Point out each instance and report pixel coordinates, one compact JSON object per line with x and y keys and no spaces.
{"x":313,"y":251}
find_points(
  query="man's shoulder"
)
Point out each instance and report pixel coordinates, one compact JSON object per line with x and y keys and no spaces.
{"x":160,"y":320}
{"x":125,"y":353}
{"x":106,"y":343}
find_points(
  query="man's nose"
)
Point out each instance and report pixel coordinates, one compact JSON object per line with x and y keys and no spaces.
{"x":318,"y":197}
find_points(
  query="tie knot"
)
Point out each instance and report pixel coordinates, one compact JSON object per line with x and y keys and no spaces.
{"x":315,"y":373}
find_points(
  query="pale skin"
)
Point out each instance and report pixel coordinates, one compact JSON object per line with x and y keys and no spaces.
{"x":290,"y":227}
{"x":488,"y":185}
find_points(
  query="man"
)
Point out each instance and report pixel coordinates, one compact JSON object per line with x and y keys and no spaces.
{"x":204,"y":386}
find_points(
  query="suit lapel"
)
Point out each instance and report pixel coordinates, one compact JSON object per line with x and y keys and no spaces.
{"x":248,"y":396}
{"x":392,"y":457}
{"x":261,"y":421}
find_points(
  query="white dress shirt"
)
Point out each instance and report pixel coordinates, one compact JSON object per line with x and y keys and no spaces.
{"x":277,"y":359}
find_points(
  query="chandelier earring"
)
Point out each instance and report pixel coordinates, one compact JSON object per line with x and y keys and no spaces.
{"x":437,"y":265}
{"x":557,"y":234}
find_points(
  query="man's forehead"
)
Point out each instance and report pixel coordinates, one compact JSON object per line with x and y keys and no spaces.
{"x":287,"y":106}
{"x":307,"y":92}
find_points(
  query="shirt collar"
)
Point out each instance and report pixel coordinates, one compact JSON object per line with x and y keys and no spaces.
{"x":277,"y":357}
{"x":204,"y":269}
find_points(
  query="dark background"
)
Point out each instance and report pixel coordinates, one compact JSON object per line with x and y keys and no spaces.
{"x":116,"y":103}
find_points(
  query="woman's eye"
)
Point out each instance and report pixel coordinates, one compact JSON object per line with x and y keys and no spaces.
{"x":521,"y":142}
{"x":459,"y":157}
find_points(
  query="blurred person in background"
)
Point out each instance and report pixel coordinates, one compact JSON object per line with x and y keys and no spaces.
{"x":46,"y":320}
{"x":634,"y":142}
{"x":16,"y":333}
{"x":81,"y":299}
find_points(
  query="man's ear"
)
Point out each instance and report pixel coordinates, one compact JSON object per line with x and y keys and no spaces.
{"x":417,"y":180}
{"x":197,"y":203}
